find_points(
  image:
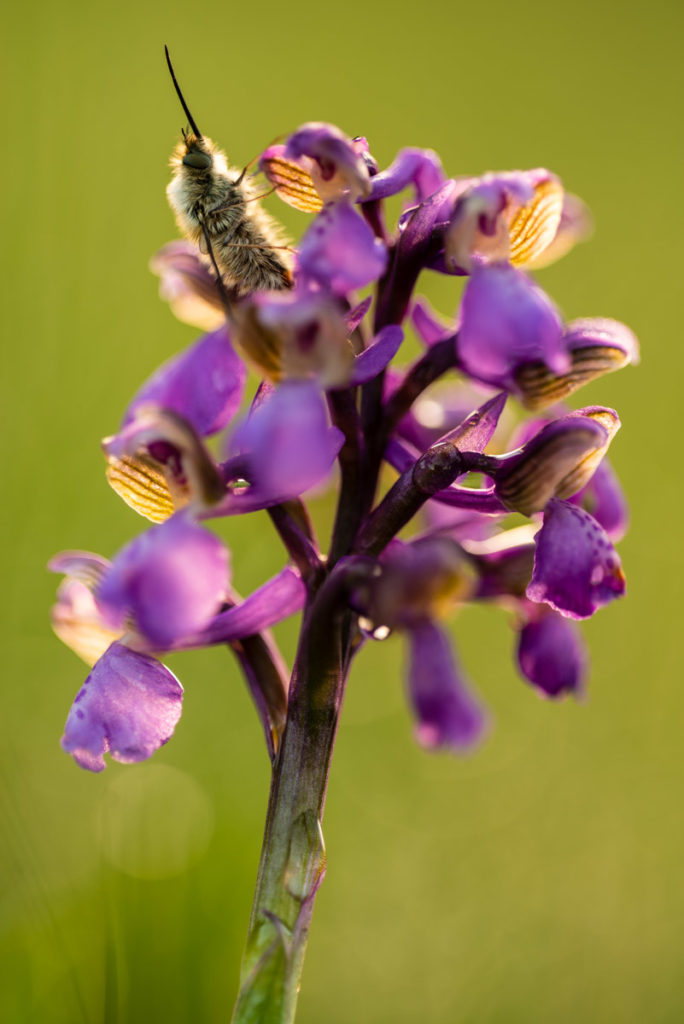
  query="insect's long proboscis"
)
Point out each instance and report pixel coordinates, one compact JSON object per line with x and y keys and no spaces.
{"x":191,"y":120}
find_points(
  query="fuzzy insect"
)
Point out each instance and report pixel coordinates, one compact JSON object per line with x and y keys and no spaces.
{"x":216,"y":207}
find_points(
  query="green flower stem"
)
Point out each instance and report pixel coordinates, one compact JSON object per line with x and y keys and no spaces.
{"x":293,"y":853}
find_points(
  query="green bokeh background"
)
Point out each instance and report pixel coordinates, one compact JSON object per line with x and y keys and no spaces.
{"x":539,"y":879}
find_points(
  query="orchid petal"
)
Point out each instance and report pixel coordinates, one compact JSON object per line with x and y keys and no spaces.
{"x":340,"y":251}
{"x":447,"y":714}
{"x":377,"y":356}
{"x":576,"y":568}
{"x":337,"y":167}
{"x":421,"y":168}
{"x":171,"y":580}
{"x":204,"y":384}
{"x":277,"y":599}
{"x":287,"y":444}
{"x":551,"y":655}
{"x":507,"y":320}
{"x":129,"y":705}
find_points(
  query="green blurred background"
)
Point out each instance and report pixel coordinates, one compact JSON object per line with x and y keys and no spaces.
{"x":539,"y":879}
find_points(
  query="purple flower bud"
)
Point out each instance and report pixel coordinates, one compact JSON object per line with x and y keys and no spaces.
{"x":447,"y":714}
{"x":551,"y":655}
{"x":555,"y":462}
{"x":417,"y":581}
{"x":129,"y":705}
{"x":576,"y":568}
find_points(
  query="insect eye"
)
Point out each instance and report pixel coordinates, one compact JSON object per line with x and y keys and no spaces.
{"x":197,"y":159}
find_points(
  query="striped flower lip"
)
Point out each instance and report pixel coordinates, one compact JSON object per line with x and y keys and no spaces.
{"x":318,"y":163}
{"x":510,"y":216}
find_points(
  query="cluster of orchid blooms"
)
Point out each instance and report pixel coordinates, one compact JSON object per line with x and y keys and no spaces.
{"x":331,"y":391}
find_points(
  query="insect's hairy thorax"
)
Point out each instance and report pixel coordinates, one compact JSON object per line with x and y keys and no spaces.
{"x":208,"y":194}
{"x":215,"y":205}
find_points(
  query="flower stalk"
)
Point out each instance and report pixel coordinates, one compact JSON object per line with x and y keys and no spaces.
{"x":293,"y":856}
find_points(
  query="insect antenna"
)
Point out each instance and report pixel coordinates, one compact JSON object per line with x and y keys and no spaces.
{"x":191,"y":120}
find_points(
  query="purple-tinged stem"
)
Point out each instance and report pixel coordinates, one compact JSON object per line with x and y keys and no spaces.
{"x":439,"y":358}
{"x":344,"y":415}
{"x":293,"y":854}
{"x":298,"y":545}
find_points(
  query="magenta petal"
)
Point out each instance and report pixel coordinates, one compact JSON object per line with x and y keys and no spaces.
{"x":287,"y":443}
{"x":421,"y":168}
{"x":377,"y":356}
{"x":428,"y":326}
{"x":339,"y":160}
{"x":605,"y":500}
{"x":507,"y":320}
{"x":277,"y":599}
{"x":204,"y":384}
{"x":551,"y":655}
{"x":129,"y":705}
{"x":171,"y":580}
{"x":340,"y":251}
{"x":447,"y":714}
{"x":576,"y":568}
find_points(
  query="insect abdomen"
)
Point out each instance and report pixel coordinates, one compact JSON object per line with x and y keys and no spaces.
{"x":246,"y":256}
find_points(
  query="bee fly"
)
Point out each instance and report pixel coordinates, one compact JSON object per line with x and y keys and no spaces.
{"x":216,"y":207}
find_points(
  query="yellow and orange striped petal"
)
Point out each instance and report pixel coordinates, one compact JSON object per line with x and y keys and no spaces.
{"x":143,"y":486}
{"x":539,"y":387}
{"x":533,"y":228}
{"x":293,"y":184}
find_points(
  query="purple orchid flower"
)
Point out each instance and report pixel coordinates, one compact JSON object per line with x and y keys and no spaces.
{"x":415,"y":585}
{"x":576,"y":568}
{"x":513,"y":216}
{"x":336,"y":163}
{"x":131,"y":703}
